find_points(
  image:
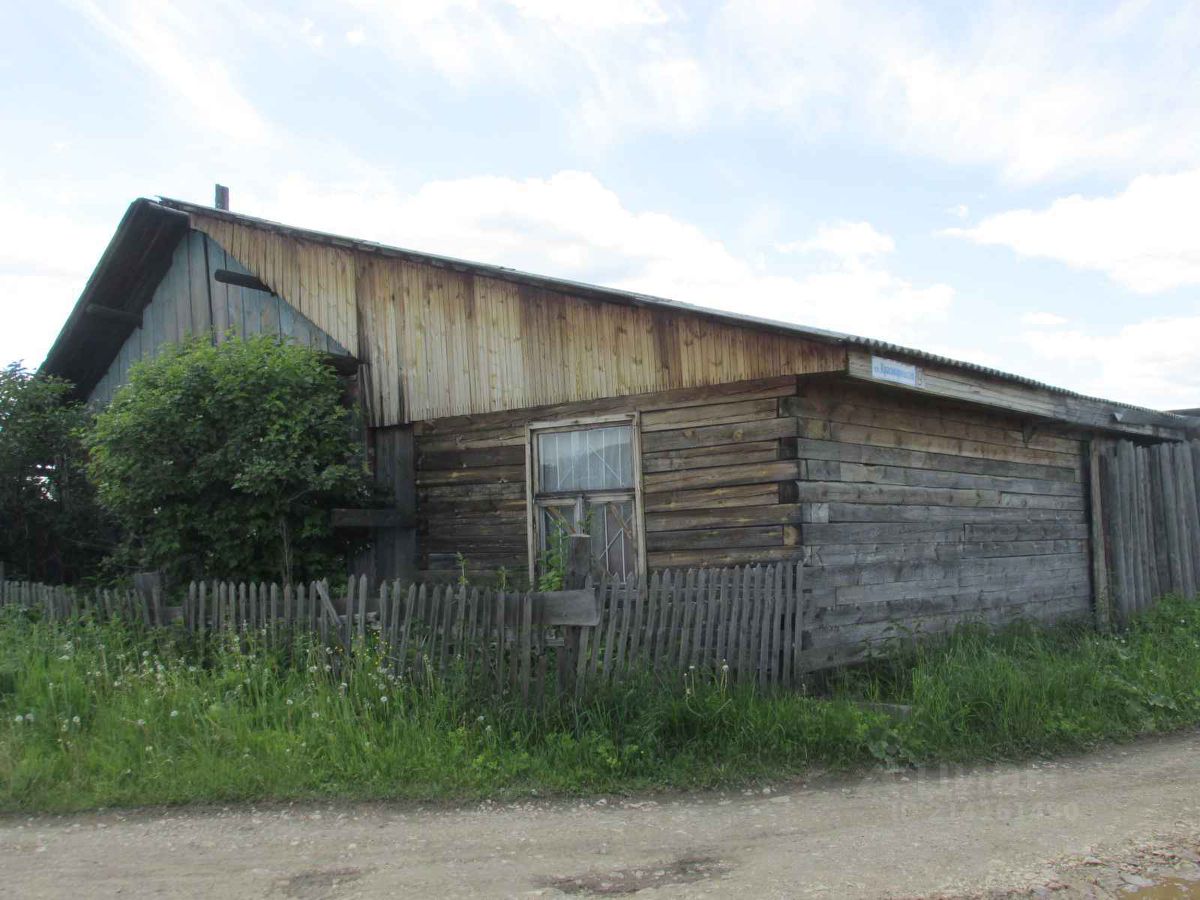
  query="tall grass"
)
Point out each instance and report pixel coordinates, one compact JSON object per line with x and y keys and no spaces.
{"x":104,"y":715}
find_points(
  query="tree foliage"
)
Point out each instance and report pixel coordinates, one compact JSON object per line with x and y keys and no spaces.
{"x":225,"y":460}
{"x":50,"y":526}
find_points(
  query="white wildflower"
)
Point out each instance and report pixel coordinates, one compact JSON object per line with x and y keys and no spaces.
{"x":141,"y":723}
{"x":75,"y":719}
{"x":174,"y":714}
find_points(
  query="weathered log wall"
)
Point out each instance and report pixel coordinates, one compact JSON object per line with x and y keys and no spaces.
{"x":715,"y":463}
{"x":920,"y":515}
{"x":911,"y":515}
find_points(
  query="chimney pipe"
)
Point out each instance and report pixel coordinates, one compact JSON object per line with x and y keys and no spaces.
{"x":222,"y":200}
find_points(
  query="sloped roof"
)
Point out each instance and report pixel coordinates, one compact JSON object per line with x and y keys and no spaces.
{"x":140,"y":250}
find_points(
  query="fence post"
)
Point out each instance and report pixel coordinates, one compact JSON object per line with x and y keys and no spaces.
{"x":575,"y":576}
{"x":148,"y":586}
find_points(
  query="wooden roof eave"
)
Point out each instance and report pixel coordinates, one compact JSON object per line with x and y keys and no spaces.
{"x":1029,"y":401}
{"x":111,"y":303}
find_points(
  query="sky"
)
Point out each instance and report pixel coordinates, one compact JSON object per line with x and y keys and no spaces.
{"x":1012,"y":184}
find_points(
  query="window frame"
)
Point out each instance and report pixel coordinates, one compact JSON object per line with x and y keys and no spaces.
{"x":533,"y":506}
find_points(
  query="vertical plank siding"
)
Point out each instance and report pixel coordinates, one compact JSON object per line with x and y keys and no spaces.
{"x":1149,"y":533}
{"x":441,"y":341}
{"x":189,"y":301}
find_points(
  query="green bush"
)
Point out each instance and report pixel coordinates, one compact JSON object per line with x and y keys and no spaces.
{"x":51,"y":528}
{"x":225,"y":459}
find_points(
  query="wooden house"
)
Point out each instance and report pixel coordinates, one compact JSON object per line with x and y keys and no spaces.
{"x":916,"y":489}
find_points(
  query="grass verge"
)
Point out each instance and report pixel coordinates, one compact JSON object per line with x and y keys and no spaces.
{"x":103,"y":715}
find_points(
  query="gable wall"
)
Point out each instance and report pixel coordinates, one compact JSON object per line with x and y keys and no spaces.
{"x":190,"y":301}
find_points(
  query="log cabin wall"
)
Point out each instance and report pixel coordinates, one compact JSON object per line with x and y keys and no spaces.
{"x":715,"y":471}
{"x":920,"y":514}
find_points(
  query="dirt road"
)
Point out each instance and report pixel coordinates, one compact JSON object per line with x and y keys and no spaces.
{"x":1056,"y":828}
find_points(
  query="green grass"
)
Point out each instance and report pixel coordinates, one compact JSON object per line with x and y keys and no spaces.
{"x":106,"y":716}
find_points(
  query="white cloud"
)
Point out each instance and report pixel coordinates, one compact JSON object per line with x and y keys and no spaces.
{"x":1043,"y":319}
{"x":1031,"y":89}
{"x":849,"y":240}
{"x":572,"y":226}
{"x":610,"y":14}
{"x":1144,"y":237}
{"x":311,"y":35}
{"x":959,"y":211}
{"x":46,"y":255}
{"x":1153,"y":362}
{"x":355,"y":36}
{"x":613,"y":69}
{"x":164,"y":42}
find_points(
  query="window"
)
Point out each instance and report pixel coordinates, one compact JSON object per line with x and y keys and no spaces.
{"x":584,"y":480}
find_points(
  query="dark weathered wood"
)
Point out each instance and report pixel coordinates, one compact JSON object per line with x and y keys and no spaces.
{"x":740,"y":433}
{"x":721,"y":538}
{"x":577,"y":608}
{"x":371,"y":518}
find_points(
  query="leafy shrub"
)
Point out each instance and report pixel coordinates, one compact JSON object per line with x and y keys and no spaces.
{"x":226,"y":459}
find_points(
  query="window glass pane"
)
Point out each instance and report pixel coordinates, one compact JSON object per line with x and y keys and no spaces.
{"x":585,"y":459}
{"x":556,"y":519}
{"x":611,"y":527}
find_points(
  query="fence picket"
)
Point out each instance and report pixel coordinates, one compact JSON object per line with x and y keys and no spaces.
{"x":750,"y":618}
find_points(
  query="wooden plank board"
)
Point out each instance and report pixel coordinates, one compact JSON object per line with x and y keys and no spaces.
{"x":726,"y":476}
{"x":700,"y":437}
{"x":679,"y":460}
{"x":717,"y":538}
{"x":822,"y":430}
{"x":711,"y":414}
{"x":881,"y":410}
{"x":825,"y":470}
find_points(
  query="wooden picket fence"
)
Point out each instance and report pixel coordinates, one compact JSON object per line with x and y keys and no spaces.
{"x":744,"y":623}
{"x":1148,"y":498}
